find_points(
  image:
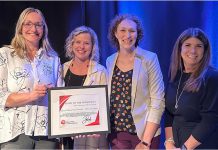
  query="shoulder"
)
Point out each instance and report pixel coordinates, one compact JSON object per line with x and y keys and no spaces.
{"x":112,"y":57}
{"x":211,"y":78}
{"x":52,"y":53}
{"x":212,"y":75}
{"x":67,"y":64}
{"x":147,"y":57}
{"x":7,"y":52}
{"x":98,"y":66}
{"x":145,"y":54}
{"x":6,"y":49}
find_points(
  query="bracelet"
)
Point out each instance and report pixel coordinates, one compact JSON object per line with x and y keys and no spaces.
{"x":145,"y":143}
{"x":169,"y":140}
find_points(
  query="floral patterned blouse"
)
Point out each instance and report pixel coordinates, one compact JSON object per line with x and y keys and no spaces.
{"x":20,"y":75}
{"x":121,"y":117}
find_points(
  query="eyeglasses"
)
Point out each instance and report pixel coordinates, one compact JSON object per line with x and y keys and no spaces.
{"x":29,"y":25}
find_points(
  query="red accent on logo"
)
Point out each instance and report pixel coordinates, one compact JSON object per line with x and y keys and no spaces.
{"x":62,"y":100}
{"x":96,"y":122}
{"x":62,"y":121}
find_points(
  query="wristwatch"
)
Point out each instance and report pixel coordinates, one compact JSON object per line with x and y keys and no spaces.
{"x":145,"y":143}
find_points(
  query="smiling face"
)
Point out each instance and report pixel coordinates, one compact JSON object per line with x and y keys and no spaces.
{"x":126,"y":34}
{"x":192,"y":52}
{"x":32,"y":28}
{"x":82,"y":46}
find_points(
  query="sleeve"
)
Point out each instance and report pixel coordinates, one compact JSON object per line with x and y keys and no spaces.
{"x":107,"y":63}
{"x":60,"y":76}
{"x":156,"y":87}
{"x":209,"y":110}
{"x":103,"y":78}
{"x":168,"y":119}
{"x":107,"y":70}
{"x":4,"y":92}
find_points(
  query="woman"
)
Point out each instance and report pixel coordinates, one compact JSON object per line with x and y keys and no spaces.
{"x":191,"y":120}
{"x":28,"y":68}
{"x":136,"y":88}
{"x":84,"y":70}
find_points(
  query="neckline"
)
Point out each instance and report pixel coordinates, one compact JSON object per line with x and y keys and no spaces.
{"x":123,"y":71}
{"x":76,"y":74}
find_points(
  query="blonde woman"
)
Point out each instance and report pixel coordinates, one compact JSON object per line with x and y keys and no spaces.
{"x":83,"y":69}
{"x":28,"y":67}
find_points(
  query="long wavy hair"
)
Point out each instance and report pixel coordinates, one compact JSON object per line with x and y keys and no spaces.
{"x":113,"y":29}
{"x":18,"y":41}
{"x":197,"y":76}
{"x":70,"y":39}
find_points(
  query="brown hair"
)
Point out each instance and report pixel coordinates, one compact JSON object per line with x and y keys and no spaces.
{"x":197,"y":76}
{"x":113,"y":28}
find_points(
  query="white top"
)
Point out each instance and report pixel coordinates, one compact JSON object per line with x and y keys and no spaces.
{"x":147,"y":95}
{"x":97,"y":74}
{"x":20,"y":75}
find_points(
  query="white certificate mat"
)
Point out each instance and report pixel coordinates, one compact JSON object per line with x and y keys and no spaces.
{"x":78,"y":110}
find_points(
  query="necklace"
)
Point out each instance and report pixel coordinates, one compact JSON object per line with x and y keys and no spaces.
{"x":178,"y":96}
{"x":75,"y":77}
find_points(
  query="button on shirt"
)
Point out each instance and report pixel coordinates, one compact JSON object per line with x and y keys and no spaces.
{"x":20,"y":75}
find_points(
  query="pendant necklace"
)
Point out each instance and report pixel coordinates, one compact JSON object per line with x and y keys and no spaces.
{"x":69,"y":79}
{"x":178,"y":96}
{"x":83,"y":78}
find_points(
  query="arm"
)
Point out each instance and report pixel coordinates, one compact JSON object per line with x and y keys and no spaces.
{"x":169,"y":141}
{"x":192,"y":143}
{"x":157,"y":105}
{"x":156,"y":88}
{"x":14,"y":99}
{"x":209,"y":113}
{"x":20,"y":99}
{"x":103,"y":80}
{"x":60,"y":78}
{"x":150,"y":130}
{"x":4,"y":93}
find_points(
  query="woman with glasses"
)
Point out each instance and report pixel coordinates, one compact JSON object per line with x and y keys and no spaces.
{"x":28,"y":67}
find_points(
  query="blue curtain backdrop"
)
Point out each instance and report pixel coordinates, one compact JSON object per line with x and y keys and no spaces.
{"x":163,"y":22}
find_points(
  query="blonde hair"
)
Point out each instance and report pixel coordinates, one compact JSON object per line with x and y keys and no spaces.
{"x":18,"y":42}
{"x":197,"y":76}
{"x":70,"y":39}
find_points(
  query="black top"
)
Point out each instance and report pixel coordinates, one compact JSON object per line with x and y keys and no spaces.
{"x":72,"y":79}
{"x":197,"y":113}
{"x":120,"y":110}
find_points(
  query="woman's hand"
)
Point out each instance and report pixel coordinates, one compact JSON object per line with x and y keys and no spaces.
{"x":94,"y":135}
{"x":171,"y":146}
{"x":21,"y":99}
{"x":89,"y":135}
{"x":38,"y":92}
{"x":141,"y":146}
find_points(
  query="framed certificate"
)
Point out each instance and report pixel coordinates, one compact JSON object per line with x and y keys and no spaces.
{"x":78,"y":110}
